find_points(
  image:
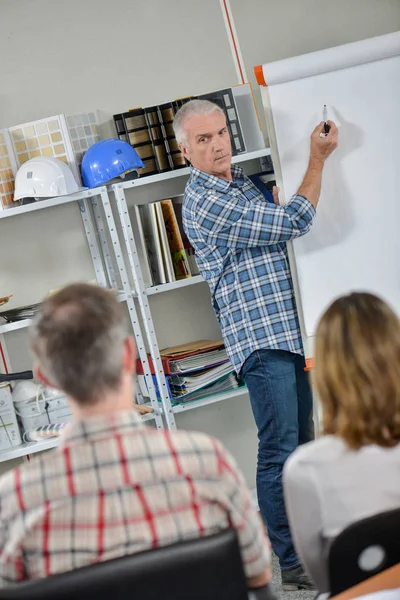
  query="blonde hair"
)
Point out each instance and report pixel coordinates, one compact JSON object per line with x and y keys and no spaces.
{"x":357,"y":371}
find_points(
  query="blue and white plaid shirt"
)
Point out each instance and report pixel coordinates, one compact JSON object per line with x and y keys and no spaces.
{"x":240,"y":246}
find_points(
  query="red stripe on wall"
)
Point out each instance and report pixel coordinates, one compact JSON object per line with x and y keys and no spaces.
{"x":3,"y":358}
{"x":234,"y":41}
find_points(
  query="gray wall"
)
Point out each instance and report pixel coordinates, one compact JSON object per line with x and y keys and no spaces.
{"x":270,"y":30}
{"x":71,"y":56}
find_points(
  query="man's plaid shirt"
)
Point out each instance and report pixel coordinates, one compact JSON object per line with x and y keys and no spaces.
{"x":240,"y":245}
{"x":115,"y":487}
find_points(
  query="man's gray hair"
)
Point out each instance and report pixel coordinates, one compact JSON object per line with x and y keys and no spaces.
{"x":78,"y":340}
{"x":192,"y":109}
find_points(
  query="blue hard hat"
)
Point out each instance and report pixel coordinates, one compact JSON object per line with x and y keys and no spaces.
{"x":106,"y":160}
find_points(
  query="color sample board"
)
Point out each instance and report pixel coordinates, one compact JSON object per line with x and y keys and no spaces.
{"x":83,"y":131}
{"x":64,"y":137}
{"x":39,"y":138}
{"x":354,"y":243}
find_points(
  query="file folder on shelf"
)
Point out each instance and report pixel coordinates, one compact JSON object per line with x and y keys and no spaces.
{"x":181,"y":385}
{"x":222,"y":385}
{"x":225,"y":384}
{"x":193,"y":371}
{"x":203,"y":354}
{"x":197,"y":362}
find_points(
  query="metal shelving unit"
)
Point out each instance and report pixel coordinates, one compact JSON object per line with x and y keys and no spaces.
{"x":160,"y":177}
{"x":142,"y":292}
{"x":7,"y":327}
{"x":175,"y":285}
{"x":207,"y":400}
{"x":110,"y":271}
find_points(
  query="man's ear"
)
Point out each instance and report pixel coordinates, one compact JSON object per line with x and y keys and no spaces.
{"x":38,"y":374}
{"x":129,"y":355}
{"x":185,"y":151}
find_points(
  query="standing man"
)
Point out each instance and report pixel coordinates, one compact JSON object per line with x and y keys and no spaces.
{"x":240,"y":245}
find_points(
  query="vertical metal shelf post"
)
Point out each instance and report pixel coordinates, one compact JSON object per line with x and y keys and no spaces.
{"x":94,"y":249}
{"x":141,"y":348}
{"x":101,"y":230}
{"x":144,"y":303}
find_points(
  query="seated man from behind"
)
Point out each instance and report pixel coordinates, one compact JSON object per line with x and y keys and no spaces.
{"x":113,"y":487}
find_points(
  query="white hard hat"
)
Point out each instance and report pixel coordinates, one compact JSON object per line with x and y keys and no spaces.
{"x":24,"y":391}
{"x":44,"y":177}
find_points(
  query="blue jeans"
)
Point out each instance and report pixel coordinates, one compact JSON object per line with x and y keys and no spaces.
{"x":282,"y":404}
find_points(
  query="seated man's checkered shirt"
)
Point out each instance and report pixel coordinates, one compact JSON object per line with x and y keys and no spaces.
{"x":240,"y":247}
{"x":115,"y":487}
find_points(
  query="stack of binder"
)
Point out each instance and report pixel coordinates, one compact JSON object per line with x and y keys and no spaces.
{"x":164,"y":250}
{"x":150,"y":130}
{"x":194,"y":370}
{"x":197,"y":384}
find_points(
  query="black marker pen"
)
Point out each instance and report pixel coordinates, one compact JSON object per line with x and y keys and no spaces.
{"x":327,"y":127}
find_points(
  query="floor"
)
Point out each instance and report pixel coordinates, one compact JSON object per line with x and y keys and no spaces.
{"x":276,"y":578}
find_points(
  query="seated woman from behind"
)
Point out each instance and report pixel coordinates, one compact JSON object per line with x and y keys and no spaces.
{"x":352,"y":472}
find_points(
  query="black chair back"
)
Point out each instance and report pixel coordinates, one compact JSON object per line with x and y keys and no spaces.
{"x":364,"y":549}
{"x":207,"y":568}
